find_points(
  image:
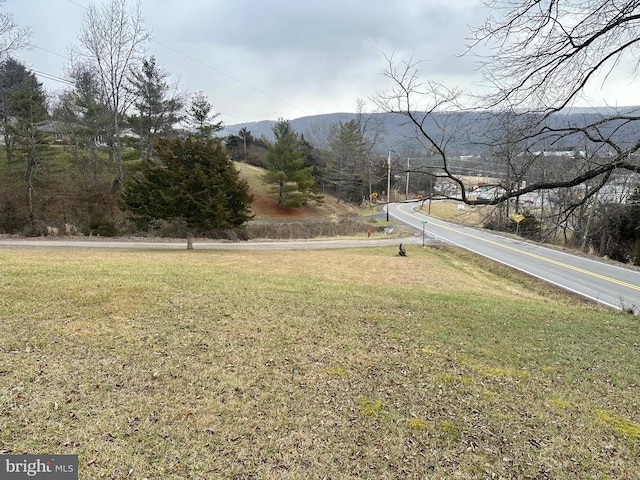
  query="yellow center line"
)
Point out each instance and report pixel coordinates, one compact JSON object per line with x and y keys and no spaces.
{"x":534,"y":255}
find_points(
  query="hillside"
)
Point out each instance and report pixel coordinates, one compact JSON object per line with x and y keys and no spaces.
{"x":469,"y":128}
{"x":67,"y":194}
{"x":265,"y":202}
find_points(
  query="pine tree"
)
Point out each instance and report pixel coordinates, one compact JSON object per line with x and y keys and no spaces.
{"x":200,"y":118}
{"x":287,"y":170}
{"x":22,"y":107}
{"x":192,"y":180}
{"x":346,"y":169}
{"x":157,"y":108}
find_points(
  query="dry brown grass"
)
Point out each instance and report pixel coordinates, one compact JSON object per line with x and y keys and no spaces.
{"x":319,"y":364}
{"x":449,"y":210}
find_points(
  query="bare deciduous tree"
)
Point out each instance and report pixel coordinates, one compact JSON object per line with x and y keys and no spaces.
{"x":545,"y":52}
{"x":112,"y":41}
{"x":544,"y":56}
{"x":12,"y":37}
{"x":419,"y":102}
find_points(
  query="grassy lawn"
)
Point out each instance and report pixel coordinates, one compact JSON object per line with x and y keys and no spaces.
{"x":321,"y":364}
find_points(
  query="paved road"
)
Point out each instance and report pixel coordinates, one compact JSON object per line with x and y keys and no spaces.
{"x":609,"y":284}
{"x":136,"y":244}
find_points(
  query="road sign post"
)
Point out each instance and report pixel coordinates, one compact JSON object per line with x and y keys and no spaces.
{"x":424,"y":222}
{"x":518,"y":217}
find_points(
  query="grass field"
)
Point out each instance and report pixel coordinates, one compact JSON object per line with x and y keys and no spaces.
{"x":322,"y":364}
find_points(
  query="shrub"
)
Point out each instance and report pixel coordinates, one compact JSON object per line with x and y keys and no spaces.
{"x":103,"y":228}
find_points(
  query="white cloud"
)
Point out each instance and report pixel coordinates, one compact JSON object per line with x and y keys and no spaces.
{"x":259,"y":60}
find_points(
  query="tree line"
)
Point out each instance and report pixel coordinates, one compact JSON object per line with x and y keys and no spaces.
{"x":115,"y":150}
{"x":76,"y":169}
{"x":88,"y":156}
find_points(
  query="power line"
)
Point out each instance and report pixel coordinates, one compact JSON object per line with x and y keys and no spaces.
{"x":55,"y":78}
{"x":242,"y":82}
{"x":78,"y":4}
{"x":49,"y":51}
{"x":220,"y":72}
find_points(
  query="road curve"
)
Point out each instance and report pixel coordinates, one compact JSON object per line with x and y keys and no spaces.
{"x":609,"y":284}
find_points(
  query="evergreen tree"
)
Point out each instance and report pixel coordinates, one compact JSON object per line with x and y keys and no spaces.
{"x":157,"y":109}
{"x":22,"y":107}
{"x":244,"y":147}
{"x":287,"y":169}
{"x":22,"y":103}
{"x":192,"y":180}
{"x":200,"y":117}
{"x":346,"y":169}
{"x":83,"y":109}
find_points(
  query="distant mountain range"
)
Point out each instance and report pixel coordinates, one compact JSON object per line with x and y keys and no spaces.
{"x":468,"y":133}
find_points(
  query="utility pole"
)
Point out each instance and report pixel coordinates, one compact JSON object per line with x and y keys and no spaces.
{"x":406,"y":193}
{"x":388,"y":183}
{"x":430,"y":190}
{"x":244,"y":140}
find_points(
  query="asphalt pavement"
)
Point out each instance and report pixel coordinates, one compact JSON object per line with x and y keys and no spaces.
{"x":608,"y":283}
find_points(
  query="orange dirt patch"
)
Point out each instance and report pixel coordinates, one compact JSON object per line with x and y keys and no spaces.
{"x":265,"y":207}
{"x":265,"y":201}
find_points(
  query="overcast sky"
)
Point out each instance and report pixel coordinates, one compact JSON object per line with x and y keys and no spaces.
{"x":265,"y":59}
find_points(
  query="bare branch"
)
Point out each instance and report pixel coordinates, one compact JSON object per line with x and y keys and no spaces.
{"x":546,"y":51}
{"x":12,"y":37}
{"x":112,"y":42}
{"x":405,"y":89}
